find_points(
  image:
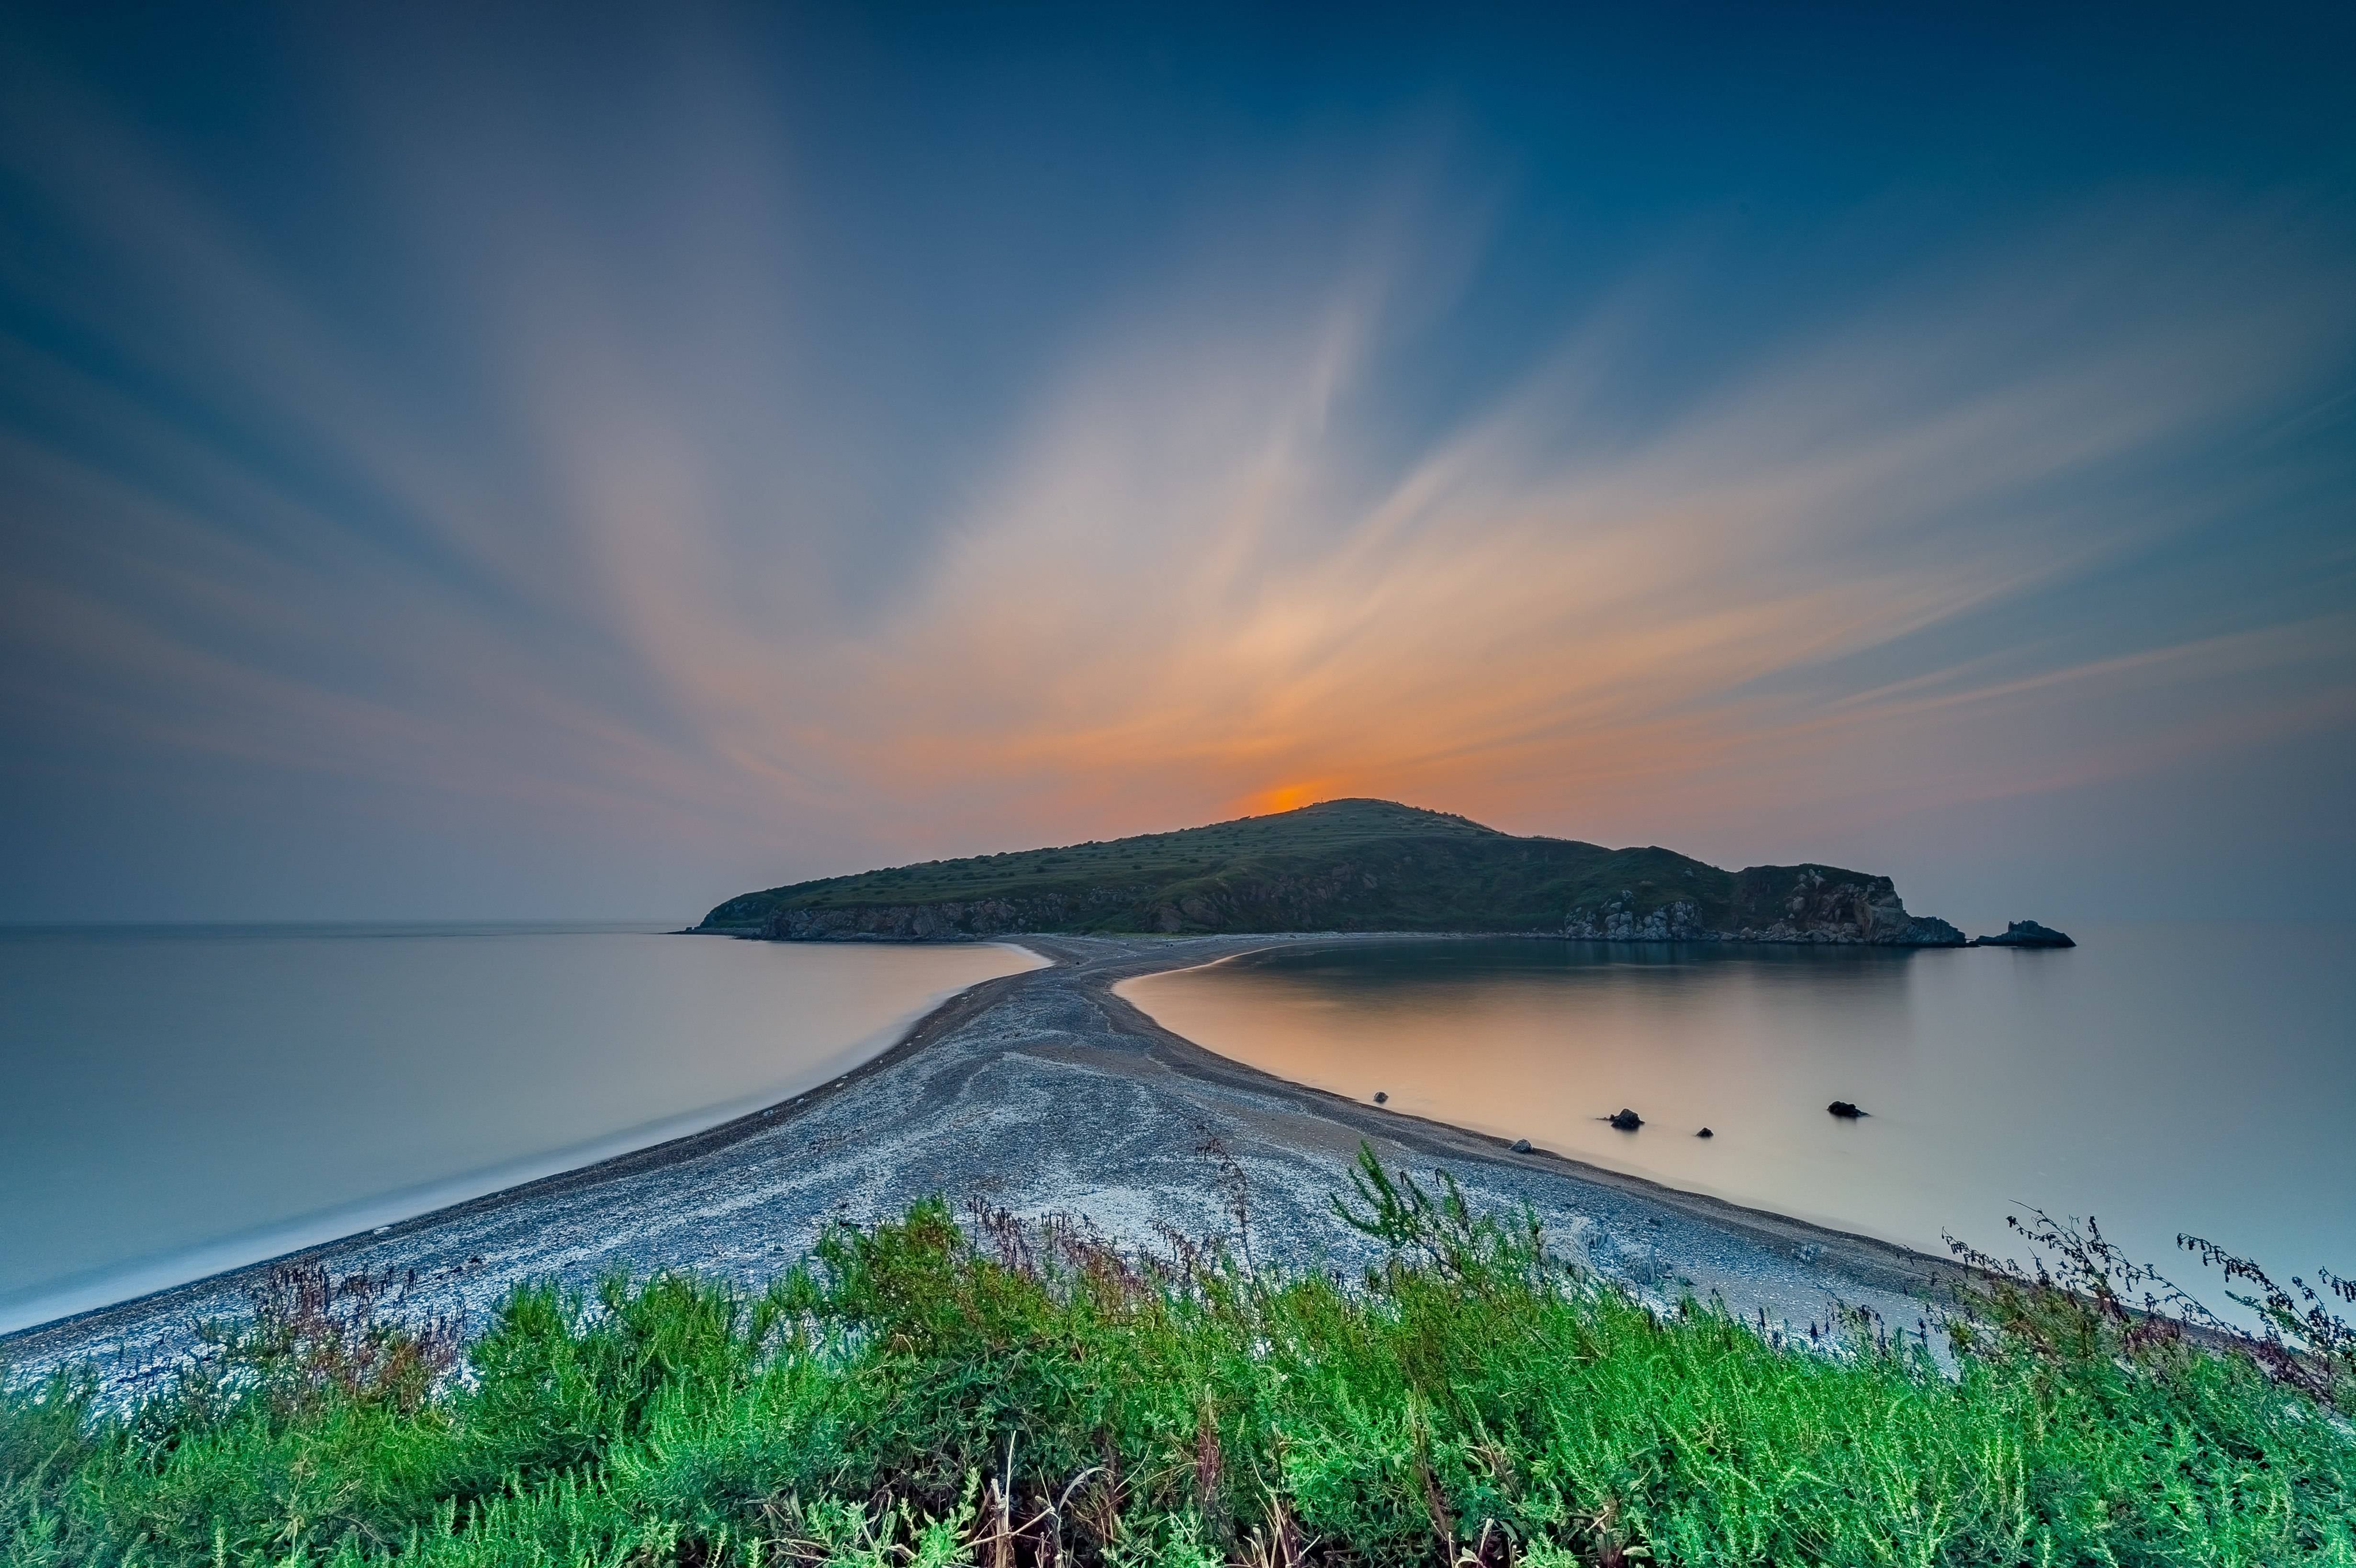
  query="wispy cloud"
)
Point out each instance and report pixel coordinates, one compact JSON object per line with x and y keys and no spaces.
{"x":586,"y":547}
{"x":1163,"y":603}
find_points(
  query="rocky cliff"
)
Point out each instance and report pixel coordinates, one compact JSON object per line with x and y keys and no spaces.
{"x":1775,"y":904}
{"x":1342,"y":865}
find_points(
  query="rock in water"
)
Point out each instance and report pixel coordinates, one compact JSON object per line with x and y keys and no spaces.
{"x":1381,"y":1098}
{"x":1705,"y":1133}
{"x":1627,"y":1121}
{"x":2025,"y":934}
{"x":1521,"y":1146}
{"x":1842,"y":1108}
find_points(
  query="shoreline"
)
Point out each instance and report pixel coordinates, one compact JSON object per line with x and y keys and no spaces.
{"x":1587,"y":1167}
{"x":1038,"y":1092}
{"x":270,"y":1242}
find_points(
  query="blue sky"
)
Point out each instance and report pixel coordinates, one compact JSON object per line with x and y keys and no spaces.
{"x":530,"y":461}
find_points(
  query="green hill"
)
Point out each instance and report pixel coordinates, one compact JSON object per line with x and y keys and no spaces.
{"x":1342,"y":864}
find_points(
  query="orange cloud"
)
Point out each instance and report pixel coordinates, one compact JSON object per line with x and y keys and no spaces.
{"x":1163,"y":604}
{"x":1190,"y":583}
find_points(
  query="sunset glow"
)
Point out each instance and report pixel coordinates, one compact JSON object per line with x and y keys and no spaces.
{"x":765,"y":497}
{"x":1286,"y":797}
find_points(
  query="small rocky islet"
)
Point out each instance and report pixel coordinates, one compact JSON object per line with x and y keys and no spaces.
{"x":2024,"y":933}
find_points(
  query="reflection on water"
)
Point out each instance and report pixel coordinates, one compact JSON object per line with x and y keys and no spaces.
{"x":181,"y":1101}
{"x":2163,"y":1078}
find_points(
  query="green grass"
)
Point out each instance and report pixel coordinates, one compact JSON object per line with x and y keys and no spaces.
{"x":923,"y":1393}
{"x":1342,"y":864}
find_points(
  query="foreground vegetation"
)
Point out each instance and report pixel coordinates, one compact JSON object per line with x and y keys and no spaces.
{"x":931,"y":1392}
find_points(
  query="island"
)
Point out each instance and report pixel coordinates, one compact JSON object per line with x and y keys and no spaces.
{"x":2025,"y":934}
{"x":1340,"y":866}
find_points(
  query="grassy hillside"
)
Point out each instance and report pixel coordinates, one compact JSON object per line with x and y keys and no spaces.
{"x":930,"y":1394}
{"x":1154,"y":860}
{"x":1344,"y":865}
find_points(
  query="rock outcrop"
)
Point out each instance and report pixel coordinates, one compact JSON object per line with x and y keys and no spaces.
{"x":1775,"y":904}
{"x":1618,"y":921}
{"x":2025,"y":934}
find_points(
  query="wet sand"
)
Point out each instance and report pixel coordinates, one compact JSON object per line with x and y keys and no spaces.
{"x":1038,"y":1092}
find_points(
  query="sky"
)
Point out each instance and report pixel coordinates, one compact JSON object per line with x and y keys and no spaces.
{"x":515,"y":461}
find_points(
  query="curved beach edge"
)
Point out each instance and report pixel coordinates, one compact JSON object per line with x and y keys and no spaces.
{"x":1040,"y":1092}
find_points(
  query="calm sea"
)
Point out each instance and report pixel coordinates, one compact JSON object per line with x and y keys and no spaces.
{"x":173,"y":1103}
{"x":2161,"y":1078}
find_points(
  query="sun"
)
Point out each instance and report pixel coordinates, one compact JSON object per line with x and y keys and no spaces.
{"x":1284,"y":797}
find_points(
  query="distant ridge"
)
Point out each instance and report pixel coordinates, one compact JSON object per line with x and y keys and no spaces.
{"x":1341,"y":865}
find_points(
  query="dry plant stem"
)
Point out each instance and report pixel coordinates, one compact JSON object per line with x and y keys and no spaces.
{"x":2080,"y":1290}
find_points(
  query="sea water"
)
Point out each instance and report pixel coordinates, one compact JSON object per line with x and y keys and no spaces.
{"x":176,"y":1102}
{"x":2161,"y":1078}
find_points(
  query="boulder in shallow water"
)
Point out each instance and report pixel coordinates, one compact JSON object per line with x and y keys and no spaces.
{"x":1844,"y":1110}
{"x":1705,"y":1133}
{"x":1521,"y":1146}
{"x":2025,"y":934}
{"x":1627,"y":1121}
{"x":1381,"y":1098}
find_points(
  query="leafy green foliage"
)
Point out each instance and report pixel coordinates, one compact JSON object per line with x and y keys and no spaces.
{"x":936,"y":1391}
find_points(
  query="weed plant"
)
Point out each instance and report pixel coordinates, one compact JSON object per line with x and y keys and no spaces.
{"x":931,"y":1392}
